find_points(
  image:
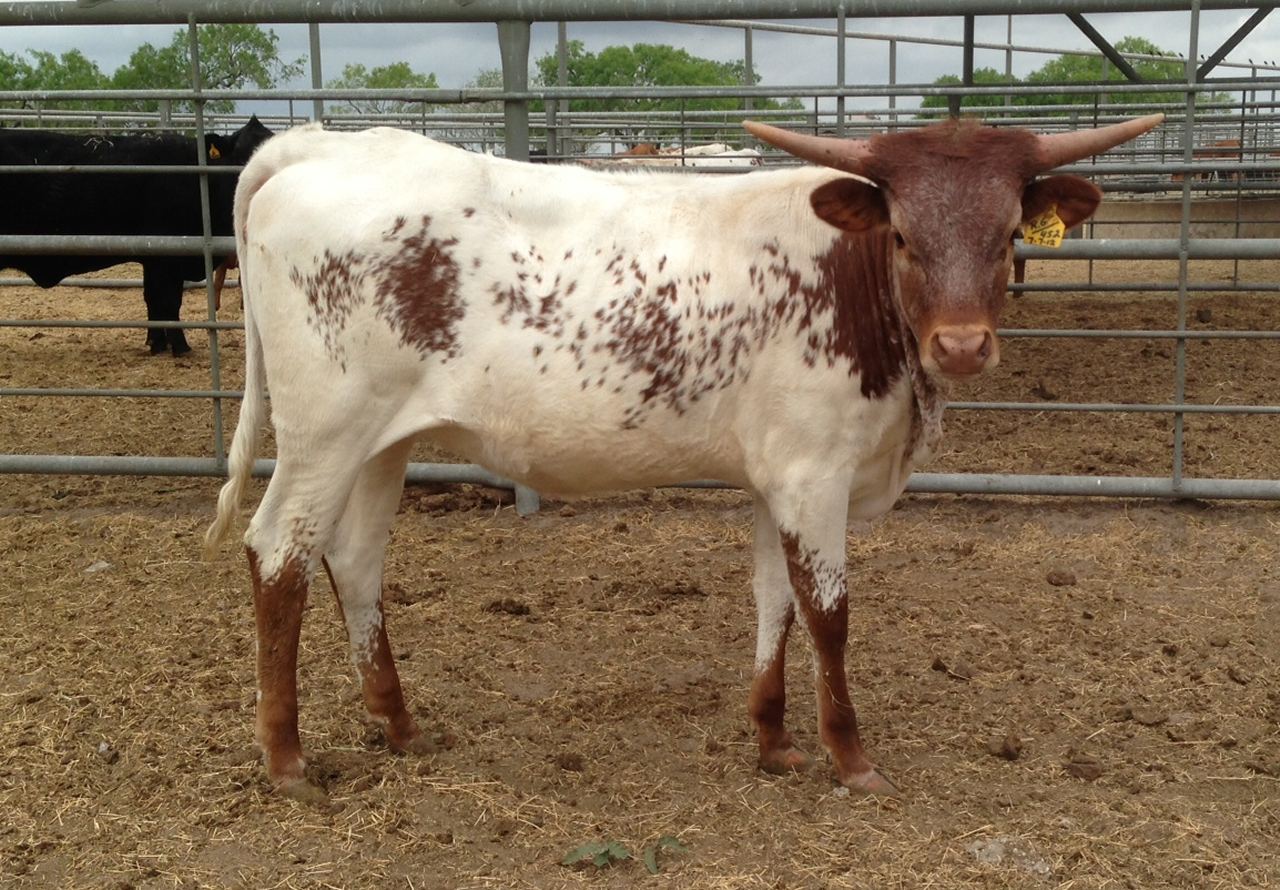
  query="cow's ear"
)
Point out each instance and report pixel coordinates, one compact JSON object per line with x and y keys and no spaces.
{"x":1074,"y":198}
{"x":850,"y":204}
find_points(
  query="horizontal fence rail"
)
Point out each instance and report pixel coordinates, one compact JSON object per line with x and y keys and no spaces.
{"x":177,"y":12}
{"x":920,"y":483}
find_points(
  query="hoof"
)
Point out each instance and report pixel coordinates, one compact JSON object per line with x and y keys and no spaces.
{"x":420,"y":744}
{"x":871,"y":782}
{"x":304,"y":792}
{"x":785,"y":760}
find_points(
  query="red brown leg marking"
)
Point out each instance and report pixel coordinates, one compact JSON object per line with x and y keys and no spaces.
{"x":380,"y":683}
{"x":277,"y":606}
{"x":767,"y":706}
{"x":829,"y":628}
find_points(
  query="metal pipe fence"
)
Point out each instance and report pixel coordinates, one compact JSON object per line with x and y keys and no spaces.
{"x":1163,"y":162}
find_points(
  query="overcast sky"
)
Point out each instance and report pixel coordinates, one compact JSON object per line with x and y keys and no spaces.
{"x":455,"y":53}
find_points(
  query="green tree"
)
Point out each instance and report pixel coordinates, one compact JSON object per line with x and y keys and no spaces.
{"x":232,"y":56}
{"x":472,"y":133}
{"x":642,"y":65}
{"x":487,"y":79}
{"x":981,"y":77}
{"x":69,"y":71}
{"x":1071,"y":68}
{"x":397,"y":75}
{"x":652,"y":65}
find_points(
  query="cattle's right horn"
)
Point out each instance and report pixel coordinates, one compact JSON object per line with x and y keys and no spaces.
{"x":829,"y":151}
{"x":1064,"y":148}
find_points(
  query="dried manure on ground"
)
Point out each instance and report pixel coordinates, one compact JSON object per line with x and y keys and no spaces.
{"x":1070,"y":693}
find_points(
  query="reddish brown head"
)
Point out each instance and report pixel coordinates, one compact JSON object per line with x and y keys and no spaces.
{"x":952,"y":195}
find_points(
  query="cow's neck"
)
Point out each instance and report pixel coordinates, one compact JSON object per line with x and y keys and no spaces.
{"x":930,"y":396}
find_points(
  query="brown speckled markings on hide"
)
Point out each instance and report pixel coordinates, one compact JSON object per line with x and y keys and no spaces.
{"x":332,"y":290}
{"x":847,"y":315}
{"x":539,"y":311}
{"x":854,"y":291}
{"x":415,"y":291}
{"x":810,"y":575}
{"x":418,"y":292}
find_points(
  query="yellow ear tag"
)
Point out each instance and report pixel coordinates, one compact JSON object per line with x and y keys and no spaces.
{"x":1046,"y":230}
{"x":214,"y":153}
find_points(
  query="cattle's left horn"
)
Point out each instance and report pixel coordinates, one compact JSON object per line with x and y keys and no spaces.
{"x":1063,"y":148}
{"x":829,"y":151}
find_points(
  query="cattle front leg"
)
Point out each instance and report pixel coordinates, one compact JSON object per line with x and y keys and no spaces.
{"x":811,"y":530}
{"x":354,"y":561}
{"x":775,"y":612}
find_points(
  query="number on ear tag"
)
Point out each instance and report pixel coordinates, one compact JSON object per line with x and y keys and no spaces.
{"x":1046,"y":230}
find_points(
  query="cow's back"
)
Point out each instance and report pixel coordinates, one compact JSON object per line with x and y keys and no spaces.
{"x":97,"y":203}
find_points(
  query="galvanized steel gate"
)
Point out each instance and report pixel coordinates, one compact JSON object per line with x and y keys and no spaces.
{"x":1145,"y":161}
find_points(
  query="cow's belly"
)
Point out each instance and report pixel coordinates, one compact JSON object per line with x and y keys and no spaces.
{"x":569,"y":461}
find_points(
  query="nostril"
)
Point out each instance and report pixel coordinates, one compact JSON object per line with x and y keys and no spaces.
{"x":984,"y":351}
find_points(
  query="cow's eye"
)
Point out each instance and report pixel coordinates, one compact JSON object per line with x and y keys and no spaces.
{"x":898,"y":239}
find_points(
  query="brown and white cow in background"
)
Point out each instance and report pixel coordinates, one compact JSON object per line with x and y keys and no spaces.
{"x":584,"y":330}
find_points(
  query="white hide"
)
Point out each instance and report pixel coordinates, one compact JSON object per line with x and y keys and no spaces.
{"x":803,"y":438}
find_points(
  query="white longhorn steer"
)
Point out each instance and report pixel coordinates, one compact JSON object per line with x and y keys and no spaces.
{"x":582,"y":330}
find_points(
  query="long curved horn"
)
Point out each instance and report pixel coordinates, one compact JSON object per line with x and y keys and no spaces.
{"x":1063,"y":148}
{"x":829,"y":151}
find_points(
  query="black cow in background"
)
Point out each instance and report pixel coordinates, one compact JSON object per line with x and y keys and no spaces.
{"x":120,"y":204}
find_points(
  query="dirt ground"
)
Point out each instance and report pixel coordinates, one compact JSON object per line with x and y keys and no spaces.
{"x":1071,"y":693}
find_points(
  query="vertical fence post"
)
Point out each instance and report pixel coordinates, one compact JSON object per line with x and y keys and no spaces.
{"x":1101,"y":98}
{"x":893,"y":81}
{"x":841,"y":40}
{"x":513,"y":44}
{"x":1184,"y":237}
{"x":1008,"y":57}
{"x":966,"y":76}
{"x":564,"y":145}
{"x":1240,"y":177}
{"x":206,"y":225}
{"x":317,"y":79}
{"x":748,"y":68}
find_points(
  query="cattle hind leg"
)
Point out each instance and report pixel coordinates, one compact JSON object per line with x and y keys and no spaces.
{"x":162,"y":292}
{"x":286,"y":537}
{"x":809,"y":522}
{"x":314,"y":513}
{"x":354,"y":561}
